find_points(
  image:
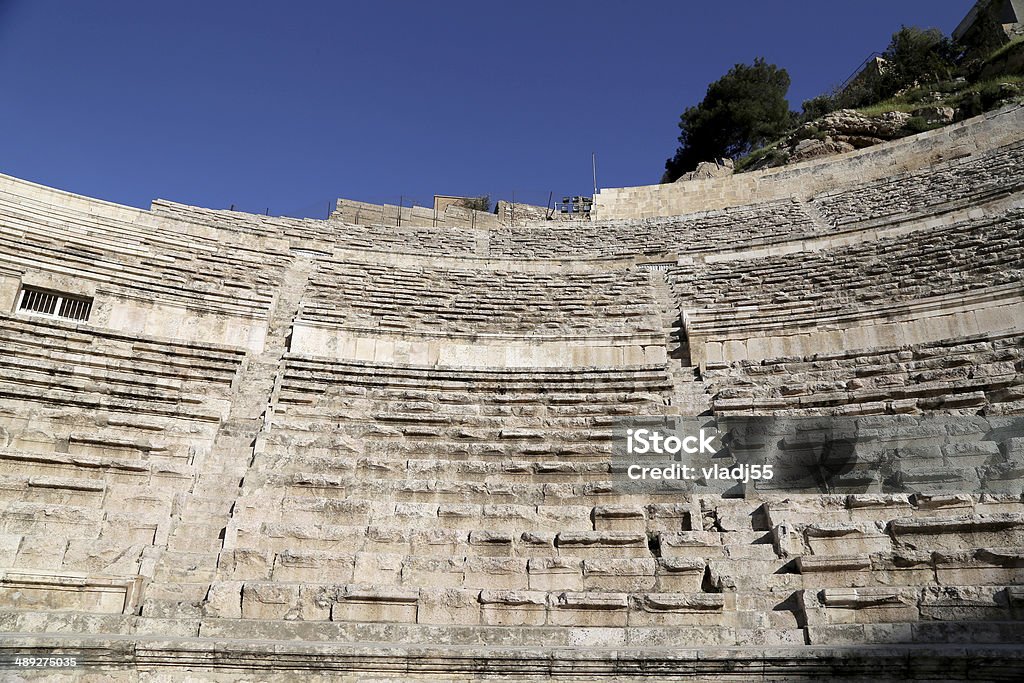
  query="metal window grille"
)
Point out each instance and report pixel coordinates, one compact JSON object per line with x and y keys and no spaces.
{"x":54,"y":304}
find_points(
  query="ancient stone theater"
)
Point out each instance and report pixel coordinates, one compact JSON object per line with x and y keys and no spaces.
{"x":390,"y":446}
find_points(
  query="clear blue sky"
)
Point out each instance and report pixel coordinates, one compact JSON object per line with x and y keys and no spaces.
{"x":288,"y":105}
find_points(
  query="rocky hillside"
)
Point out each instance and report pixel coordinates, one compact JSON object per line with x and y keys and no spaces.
{"x":907,"y":114}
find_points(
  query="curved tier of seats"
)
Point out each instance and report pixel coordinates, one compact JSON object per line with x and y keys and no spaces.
{"x":922,"y":286}
{"x":330,"y":234}
{"x":970,"y":181}
{"x":136,"y":261}
{"x":705,"y":231}
{"x":101,"y":435}
{"x":365,"y":295}
{"x":970,"y":375}
{"x":968,"y":255}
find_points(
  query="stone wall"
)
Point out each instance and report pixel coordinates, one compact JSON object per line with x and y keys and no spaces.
{"x":362,"y":213}
{"x":804,"y":180}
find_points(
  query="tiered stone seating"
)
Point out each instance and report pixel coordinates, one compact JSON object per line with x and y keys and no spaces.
{"x":291,"y":509}
{"x":99,"y":434}
{"x":977,"y":374}
{"x":706,"y":231}
{"x":874,"y":566}
{"x":969,"y":181}
{"x":969,"y":255}
{"x":332,"y":233}
{"x":462,"y":300}
{"x":135,"y":261}
{"x":432,"y":494}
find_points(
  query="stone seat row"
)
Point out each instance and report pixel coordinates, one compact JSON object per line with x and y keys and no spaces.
{"x":158,"y":248}
{"x":605,"y":582}
{"x":967,"y":255}
{"x":965,"y":374}
{"x":970,"y":181}
{"x":462,"y":571}
{"x":536,"y":385}
{"x":140,"y":260}
{"x":330,"y":234}
{"x":164,"y":243}
{"x":484,"y":300}
{"x":705,"y":231}
{"x":368,"y":510}
{"x":192,"y":285}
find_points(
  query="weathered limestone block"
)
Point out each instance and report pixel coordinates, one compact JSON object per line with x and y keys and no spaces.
{"x":103,"y":557}
{"x":315,"y":602}
{"x":953,"y":533}
{"x":313,"y":566}
{"x":458,"y":515}
{"x":805,"y":510}
{"x":965,"y":603}
{"x":513,"y":608}
{"x":224,"y":600}
{"x":947,"y":502}
{"x":269,"y":600}
{"x":876,"y":507}
{"x":903,"y":568}
{"x":602,"y":544}
{"x":433,"y":572}
{"x":870,"y":605}
{"x":589,"y":609}
{"x":619,"y":518}
{"x":499,"y":573}
{"x":846,"y":539}
{"x":679,"y":574}
{"x":490,"y":543}
{"x":555,"y":573}
{"x":679,"y":609}
{"x":979,"y":567}
{"x":730,"y":514}
{"x":9,"y":544}
{"x":438,"y":542}
{"x":379,"y":568}
{"x":668,"y":517}
{"x":449,"y":606}
{"x":627,"y":576}
{"x":376,"y":604}
{"x":565,"y":517}
{"x":835,"y":570}
{"x":41,"y":552}
{"x":691,"y":544}
{"x":66,"y":591}
{"x":535,"y":544}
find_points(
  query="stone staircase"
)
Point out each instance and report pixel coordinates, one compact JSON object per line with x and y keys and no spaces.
{"x":691,"y":392}
{"x":187,"y":567}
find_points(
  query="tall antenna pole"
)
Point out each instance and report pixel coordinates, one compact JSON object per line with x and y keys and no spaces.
{"x":593,"y":163}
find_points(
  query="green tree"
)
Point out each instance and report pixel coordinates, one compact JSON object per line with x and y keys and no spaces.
{"x":914,"y":55}
{"x":917,"y":55}
{"x":741,"y":111}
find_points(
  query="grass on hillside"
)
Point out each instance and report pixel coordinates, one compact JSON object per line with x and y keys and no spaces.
{"x":1004,"y":49}
{"x":893,"y":104}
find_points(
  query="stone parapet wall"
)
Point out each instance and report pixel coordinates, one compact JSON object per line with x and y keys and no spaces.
{"x":805,"y":180}
{"x":389,"y":215}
